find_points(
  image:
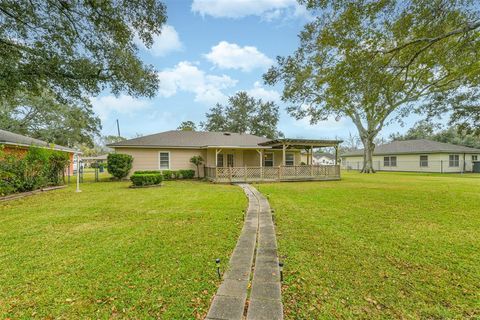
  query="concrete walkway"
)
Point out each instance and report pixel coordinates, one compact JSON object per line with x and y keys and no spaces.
{"x":241,"y":296}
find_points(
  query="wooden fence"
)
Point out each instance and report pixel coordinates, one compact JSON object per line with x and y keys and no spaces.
{"x":281,"y":173}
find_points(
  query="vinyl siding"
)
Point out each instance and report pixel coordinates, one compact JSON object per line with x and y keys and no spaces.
{"x":437,"y":162}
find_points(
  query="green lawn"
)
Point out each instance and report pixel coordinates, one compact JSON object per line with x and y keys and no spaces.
{"x":114,"y":252}
{"x":388,"y":245}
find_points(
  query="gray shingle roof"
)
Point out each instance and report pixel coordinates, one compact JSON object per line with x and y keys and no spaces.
{"x":192,"y":139}
{"x":10,"y":138}
{"x":415,"y":146}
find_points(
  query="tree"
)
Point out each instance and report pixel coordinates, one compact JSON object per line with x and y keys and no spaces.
{"x":375,"y":62}
{"x":197,"y":161}
{"x":77,"y":48}
{"x":244,"y":114}
{"x":435,"y":132}
{"x":44,"y":118}
{"x":187,"y":126}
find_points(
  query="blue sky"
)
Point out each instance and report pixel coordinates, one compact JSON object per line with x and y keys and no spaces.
{"x":209,"y":50}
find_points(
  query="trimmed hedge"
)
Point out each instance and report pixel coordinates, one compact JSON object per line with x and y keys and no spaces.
{"x":186,"y":174}
{"x":146,"y":179}
{"x":147,"y":171}
{"x":178,"y":174}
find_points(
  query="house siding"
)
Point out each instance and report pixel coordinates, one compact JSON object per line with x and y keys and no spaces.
{"x":148,"y":159}
{"x":437,"y":162}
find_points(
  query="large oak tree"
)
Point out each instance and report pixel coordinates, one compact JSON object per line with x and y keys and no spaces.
{"x":72,"y":50}
{"x":376,"y":61}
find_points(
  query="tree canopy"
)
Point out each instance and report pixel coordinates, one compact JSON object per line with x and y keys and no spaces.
{"x":244,"y":114}
{"x":187,"y":126}
{"x":435,"y":132}
{"x":72,"y":50}
{"x":376,"y":61}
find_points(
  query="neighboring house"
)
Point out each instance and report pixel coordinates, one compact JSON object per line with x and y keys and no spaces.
{"x":18,"y":144}
{"x":319,"y":158}
{"x":88,"y":161}
{"x":227,"y":156}
{"x":416,"y":155}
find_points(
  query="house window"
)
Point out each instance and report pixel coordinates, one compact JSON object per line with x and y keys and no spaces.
{"x":454,"y":160}
{"x":268,"y":160}
{"x":475,"y":158}
{"x":289,"y":159}
{"x":423,"y":161}
{"x":390,"y":161}
{"x":220,"y":160}
{"x":230,"y":160}
{"x":164,"y":160}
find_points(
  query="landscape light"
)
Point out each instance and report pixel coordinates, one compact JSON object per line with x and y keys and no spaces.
{"x":217,"y":261}
{"x":280,"y":265}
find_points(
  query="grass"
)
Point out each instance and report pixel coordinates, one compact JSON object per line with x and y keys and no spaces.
{"x":114,"y":252}
{"x":389,"y":245}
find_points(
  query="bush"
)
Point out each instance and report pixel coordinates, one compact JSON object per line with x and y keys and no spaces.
{"x":119,"y":165}
{"x":186,"y":174}
{"x":168,"y":174}
{"x":36,"y":169}
{"x":147,"y":171}
{"x":146,"y":179}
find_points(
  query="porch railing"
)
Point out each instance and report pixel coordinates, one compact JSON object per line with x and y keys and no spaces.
{"x":280,"y":173}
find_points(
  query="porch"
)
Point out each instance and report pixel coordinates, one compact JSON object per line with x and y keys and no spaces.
{"x":271,"y":174}
{"x":274,"y":160}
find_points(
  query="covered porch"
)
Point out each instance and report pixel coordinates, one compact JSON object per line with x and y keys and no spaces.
{"x":274,"y":160}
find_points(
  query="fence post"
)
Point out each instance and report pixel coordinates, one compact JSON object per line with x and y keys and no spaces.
{"x":68,"y":177}
{"x":279,"y":172}
{"x":230,"y":173}
{"x":441,"y":166}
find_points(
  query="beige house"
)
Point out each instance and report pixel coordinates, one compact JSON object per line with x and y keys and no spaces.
{"x":228,"y":157}
{"x":416,"y":155}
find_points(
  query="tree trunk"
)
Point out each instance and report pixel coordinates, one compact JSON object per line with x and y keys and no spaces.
{"x":368,"y":147}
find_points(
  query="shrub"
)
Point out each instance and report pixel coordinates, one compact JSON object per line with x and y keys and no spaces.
{"x":146,"y":179}
{"x":38,"y":168}
{"x":168,"y":174}
{"x":186,"y":174}
{"x":147,"y":171}
{"x":119,"y":165}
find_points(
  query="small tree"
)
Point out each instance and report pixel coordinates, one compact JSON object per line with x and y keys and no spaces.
{"x":119,"y":165}
{"x":197,"y":161}
{"x":187,"y":126}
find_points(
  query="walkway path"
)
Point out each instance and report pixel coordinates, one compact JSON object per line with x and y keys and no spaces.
{"x":256,"y":250}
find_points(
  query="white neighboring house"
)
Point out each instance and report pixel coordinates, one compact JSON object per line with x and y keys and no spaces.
{"x":417,"y":156}
{"x":320,"y":158}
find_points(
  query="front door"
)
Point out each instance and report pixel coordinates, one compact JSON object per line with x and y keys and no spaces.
{"x":230,"y":160}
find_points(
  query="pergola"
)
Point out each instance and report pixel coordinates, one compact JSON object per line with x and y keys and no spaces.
{"x":307,"y":144}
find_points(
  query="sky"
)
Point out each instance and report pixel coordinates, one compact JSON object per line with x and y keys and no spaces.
{"x":208,"y":51}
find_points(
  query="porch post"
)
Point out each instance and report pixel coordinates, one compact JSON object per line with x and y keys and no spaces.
{"x":336,"y":154}
{"x":311,"y":161}
{"x":284,"y":162}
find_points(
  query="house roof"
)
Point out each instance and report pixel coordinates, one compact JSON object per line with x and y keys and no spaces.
{"x":192,"y":139}
{"x":415,"y":146}
{"x":326,"y":155}
{"x":302,"y":142}
{"x":100,"y":157}
{"x":10,"y":138}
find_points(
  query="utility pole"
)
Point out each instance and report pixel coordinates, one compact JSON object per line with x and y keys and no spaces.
{"x":118,"y":128}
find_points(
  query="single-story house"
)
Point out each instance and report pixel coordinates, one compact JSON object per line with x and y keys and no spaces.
{"x":319,"y":158}
{"x":416,"y":155}
{"x":228,"y":156}
{"x":18,"y":144}
{"x":88,"y":161}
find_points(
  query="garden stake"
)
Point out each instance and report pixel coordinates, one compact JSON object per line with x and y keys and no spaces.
{"x":218,"y":268}
{"x":280,"y":264}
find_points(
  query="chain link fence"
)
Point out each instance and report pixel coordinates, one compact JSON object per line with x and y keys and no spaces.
{"x":439,"y":166}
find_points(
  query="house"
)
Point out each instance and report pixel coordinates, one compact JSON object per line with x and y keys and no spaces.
{"x":88,"y":161}
{"x":416,"y":155}
{"x":228,"y":156}
{"x":14,"y":143}
{"x":319,"y":158}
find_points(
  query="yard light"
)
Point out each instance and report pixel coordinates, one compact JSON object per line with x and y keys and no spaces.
{"x":217,"y":261}
{"x":78,"y":173}
{"x":280,"y":265}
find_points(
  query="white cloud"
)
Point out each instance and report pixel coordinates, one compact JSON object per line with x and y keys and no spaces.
{"x":123,"y":104}
{"x":168,"y":41}
{"x":259,"y":92}
{"x":186,"y":76}
{"x":267,"y":9}
{"x":231,"y":56}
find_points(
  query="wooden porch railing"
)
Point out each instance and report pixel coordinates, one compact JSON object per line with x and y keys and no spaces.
{"x":281,"y":173}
